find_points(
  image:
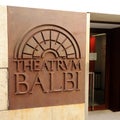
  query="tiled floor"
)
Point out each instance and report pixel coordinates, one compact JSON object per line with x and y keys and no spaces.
{"x":103,"y":115}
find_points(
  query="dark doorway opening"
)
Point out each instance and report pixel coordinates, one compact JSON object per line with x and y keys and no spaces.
{"x":104,"y":78}
{"x":97,"y":70}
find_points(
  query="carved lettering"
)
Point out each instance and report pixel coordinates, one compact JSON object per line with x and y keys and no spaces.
{"x":69,"y":78}
{"x":77,"y":80}
{"x":45,"y":66}
{"x":39,"y":82}
{"x":19,"y":65}
{"x":62,"y":65}
{"x":69,"y":82}
{"x":52,"y":89}
{"x":36,"y":65}
{"x":75,"y":65}
{"x":51,"y":62}
{"x":22,"y":86}
{"x":28,"y":65}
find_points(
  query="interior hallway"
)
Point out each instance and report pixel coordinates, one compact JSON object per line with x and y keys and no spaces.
{"x":103,"y":115}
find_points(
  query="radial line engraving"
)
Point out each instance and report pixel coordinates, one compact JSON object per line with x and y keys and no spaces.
{"x":27,"y":53}
{"x":61,"y":43}
{"x":53,"y":38}
{"x":31,"y":47}
{"x":38,"y":43}
{"x":57,"y":38}
{"x":43,"y":37}
{"x":68,"y":47}
{"x":71,"y":54}
{"x":50,"y":39}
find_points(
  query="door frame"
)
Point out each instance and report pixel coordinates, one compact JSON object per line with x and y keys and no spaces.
{"x":107,"y":66}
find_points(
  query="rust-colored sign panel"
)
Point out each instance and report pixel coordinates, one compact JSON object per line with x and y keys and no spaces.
{"x":46,"y":57}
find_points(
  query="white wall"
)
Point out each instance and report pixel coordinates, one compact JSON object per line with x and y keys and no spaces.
{"x":100,"y":6}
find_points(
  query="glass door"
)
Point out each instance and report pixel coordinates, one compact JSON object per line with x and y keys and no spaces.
{"x":97,"y":71}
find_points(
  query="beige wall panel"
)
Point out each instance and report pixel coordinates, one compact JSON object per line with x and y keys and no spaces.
{"x":70,"y":112}
{"x":3,"y":37}
{"x":87,"y":65}
{"x":66,"y":112}
{"x":27,"y":114}
{"x":3,"y":89}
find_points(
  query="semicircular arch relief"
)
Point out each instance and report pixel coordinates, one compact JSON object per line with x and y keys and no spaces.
{"x":45,"y":39}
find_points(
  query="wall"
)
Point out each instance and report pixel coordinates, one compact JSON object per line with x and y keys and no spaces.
{"x":100,"y":6}
{"x":65,"y":112}
{"x":69,"y":112}
{"x":115,"y":70}
{"x":71,"y":5}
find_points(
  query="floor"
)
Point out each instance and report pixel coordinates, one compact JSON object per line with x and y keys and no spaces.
{"x":103,"y":115}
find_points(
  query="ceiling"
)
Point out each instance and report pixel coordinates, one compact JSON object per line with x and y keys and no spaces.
{"x":104,"y":21}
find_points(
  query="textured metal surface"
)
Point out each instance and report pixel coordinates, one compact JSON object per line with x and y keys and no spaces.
{"x":46,"y":57}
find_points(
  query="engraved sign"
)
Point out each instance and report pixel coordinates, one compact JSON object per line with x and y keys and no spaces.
{"x":48,"y":51}
{"x":46,"y":66}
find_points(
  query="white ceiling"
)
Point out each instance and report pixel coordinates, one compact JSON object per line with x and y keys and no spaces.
{"x":105,"y":21}
{"x":104,"y":25}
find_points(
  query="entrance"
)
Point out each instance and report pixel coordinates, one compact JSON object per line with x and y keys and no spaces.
{"x":97,"y":71}
{"x":104,"y":79}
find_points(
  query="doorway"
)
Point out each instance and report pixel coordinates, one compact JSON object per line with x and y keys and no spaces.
{"x":101,"y":77}
{"x":97,"y":71}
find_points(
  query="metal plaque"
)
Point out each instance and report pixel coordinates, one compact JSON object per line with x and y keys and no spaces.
{"x":46,"y":57}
